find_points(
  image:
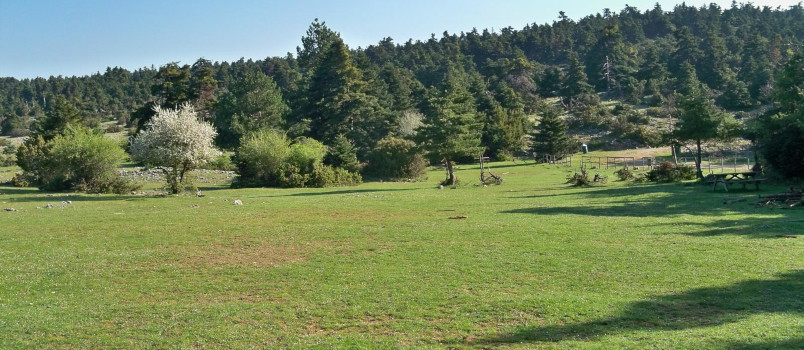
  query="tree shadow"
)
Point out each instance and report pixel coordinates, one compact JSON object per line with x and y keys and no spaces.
{"x":664,"y":201}
{"x":337,"y":192}
{"x":28,"y":194}
{"x":703,"y":307}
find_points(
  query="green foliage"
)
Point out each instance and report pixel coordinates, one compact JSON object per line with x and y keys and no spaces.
{"x":267,"y":158}
{"x":253,"y":102}
{"x":700,"y":121}
{"x":396,"y":159}
{"x":781,"y":132}
{"x":79,"y":159}
{"x":223,"y":162}
{"x":667,"y":172}
{"x":59,"y":114}
{"x":550,"y":136}
{"x":8,"y":153}
{"x":624,"y":174}
{"x":342,"y":154}
{"x":579,"y":179}
{"x":450,"y":126}
{"x":329,"y":176}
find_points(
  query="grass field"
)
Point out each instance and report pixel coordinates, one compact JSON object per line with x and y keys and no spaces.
{"x":535,"y":264}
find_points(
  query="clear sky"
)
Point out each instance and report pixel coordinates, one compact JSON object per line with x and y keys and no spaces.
{"x":81,"y":37}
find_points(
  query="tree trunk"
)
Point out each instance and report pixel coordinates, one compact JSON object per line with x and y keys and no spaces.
{"x":674,"y":153}
{"x":450,"y":173}
{"x":698,"y":160}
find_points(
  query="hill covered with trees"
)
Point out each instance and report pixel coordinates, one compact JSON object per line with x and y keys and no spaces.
{"x":455,"y":93}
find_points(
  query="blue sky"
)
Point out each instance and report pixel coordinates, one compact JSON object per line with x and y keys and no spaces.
{"x":49,"y":37}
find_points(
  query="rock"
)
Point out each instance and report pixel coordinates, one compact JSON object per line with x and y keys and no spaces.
{"x":10,"y":209}
{"x":66,"y":202}
{"x":48,"y":206}
{"x":237,"y":202}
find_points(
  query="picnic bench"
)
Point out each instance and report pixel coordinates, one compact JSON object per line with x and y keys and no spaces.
{"x":726,"y":179}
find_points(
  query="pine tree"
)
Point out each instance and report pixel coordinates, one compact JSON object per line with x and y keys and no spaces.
{"x":252,"y":103}
{"x":337,"y":102}
{"x":450,"y":129}
{"x":575,"y":82}
{"x":550,"y":136}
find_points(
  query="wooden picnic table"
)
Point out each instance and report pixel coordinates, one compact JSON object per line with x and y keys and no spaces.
{"x":726,"y":179}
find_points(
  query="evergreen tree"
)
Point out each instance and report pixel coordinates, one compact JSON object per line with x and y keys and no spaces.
{"x":59,"y":114}
{"x":252,"y":103}
{"x":610,"y":63}
{"x":450,"y":129}
{"x":550,"y":135}
{"x":699,"y":121}
{"x":782,"y":130}
{"x":337,"y":103}
{"x":576,"y":84}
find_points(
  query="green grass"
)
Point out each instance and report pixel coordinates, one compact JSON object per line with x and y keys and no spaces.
{"x":535,"y":264}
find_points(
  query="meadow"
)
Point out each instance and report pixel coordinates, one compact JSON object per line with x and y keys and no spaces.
{"x":531,"y":263}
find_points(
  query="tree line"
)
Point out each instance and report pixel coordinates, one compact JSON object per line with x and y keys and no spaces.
{"x":456,"y":95}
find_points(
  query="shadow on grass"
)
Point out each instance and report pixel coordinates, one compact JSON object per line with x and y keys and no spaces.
{"x":703,"y":307}
{"x":28,"y":194}
{"x":313,"y":192}
{"x":669,"y":201}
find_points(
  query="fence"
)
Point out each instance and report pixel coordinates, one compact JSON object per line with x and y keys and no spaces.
{"x":616,"y":162}
{"x":717,"y":164}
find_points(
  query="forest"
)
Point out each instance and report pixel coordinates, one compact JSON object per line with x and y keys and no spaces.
{"x":618,"y":79}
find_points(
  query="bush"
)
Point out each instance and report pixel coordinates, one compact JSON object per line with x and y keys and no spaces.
{"x":579,"y":179}
{"x":328,"y":176}
{"x":667,"y":172}
{"x":624,"y":174}
{"x":7,"y":153}
{"x":396,"y":159}
{"x":79,"y":159}
{"x":222,"y":162}
{"x":267,"y":158}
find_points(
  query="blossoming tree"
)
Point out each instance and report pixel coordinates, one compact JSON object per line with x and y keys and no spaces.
{"x":176,"y":142}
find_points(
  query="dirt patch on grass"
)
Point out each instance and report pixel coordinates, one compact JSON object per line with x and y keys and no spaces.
{"x":262,"y":254}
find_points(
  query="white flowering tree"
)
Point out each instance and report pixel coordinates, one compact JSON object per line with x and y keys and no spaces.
{"x":176,"y":142}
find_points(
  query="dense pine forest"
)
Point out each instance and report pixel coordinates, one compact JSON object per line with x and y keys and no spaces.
{"x":488,"y":85}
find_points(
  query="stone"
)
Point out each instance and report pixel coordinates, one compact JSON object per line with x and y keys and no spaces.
{"x":48,"y":206}
{"x":10,"y":209}
{"x":237,"y":202}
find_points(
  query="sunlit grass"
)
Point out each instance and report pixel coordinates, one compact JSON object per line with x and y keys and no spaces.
{"x":535,"y":264}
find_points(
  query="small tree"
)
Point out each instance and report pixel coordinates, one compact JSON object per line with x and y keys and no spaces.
{"x":700,"y":121}
{"x":550,"y":136}
{"x":450,"y":129}
{"x":175,"y":141}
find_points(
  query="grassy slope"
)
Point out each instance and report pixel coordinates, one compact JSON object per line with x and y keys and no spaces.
{"x":534,"y":264}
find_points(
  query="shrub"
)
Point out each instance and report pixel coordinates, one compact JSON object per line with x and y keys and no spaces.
{"x":327,"y":176}
{"x":624,"y":174}
{"x":396,"y":159}
{"x":267,"y":158}
{"x":222,"y":162}
{"x":579,"y":179}
{"x":7,"y":153}
{"x":261,"y":158}
{"x":667,"y":172}
{"x":80,"y":159}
